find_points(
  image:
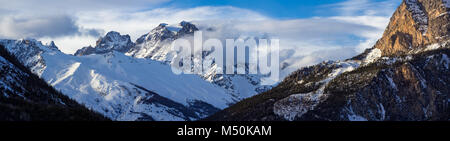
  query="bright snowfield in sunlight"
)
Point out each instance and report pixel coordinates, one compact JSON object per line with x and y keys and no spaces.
{"x":110,"y":83}
{"x":111,"y":74}
{"x":121,"y":68}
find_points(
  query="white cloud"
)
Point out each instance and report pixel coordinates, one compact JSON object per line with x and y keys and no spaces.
{"x":70,"y":44}
{"x":306,"y":42}
{"x":37,"y":27}
{"x":357,"y":26}
{"x":44,"y":7}
{"x":379,"y":23}
{"x":50,"y":20}
{"x":139,"y":23}
{"x":364,"y":7}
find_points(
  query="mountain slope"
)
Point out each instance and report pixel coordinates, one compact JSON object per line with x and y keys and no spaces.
{"x":25,"y":97}
{"x":404,"y":77}
{"x":156,"y":45}
{"x":122,"y":87}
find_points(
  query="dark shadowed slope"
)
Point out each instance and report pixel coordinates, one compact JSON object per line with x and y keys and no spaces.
{"x":25,"y":97}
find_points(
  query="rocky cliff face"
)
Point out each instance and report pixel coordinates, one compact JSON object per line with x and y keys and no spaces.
{"x":405,"y":76}
{"x":415,"y":24}
{"x":156,"y":44}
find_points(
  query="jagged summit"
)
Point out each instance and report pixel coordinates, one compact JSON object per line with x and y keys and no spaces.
{"x":156,"y":44}
{"x":416,"y":24}
{"x":187,"y":28}
{"x":161,"y":32}
{"x":165,"y":31}
{"x":52,"y":45}
{"x":112,"y":41}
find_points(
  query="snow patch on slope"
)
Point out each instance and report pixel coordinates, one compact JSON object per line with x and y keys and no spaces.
{"x":391,"y":82}
{"x":354,"y":117}
{"x":373,"y":56}
{"x":298,"y":104}
{"x":418,"y":14}
{"x":431,"y":47}
{"x":66,"y":73}
{"x":445,"y":59}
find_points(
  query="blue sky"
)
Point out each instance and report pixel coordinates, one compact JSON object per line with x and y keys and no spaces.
{"x":310,"y":31}
{"x":282,"y":9}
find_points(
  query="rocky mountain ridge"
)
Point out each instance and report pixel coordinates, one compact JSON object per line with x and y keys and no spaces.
{"x":156,"y":45}
{"x":404,"y":77}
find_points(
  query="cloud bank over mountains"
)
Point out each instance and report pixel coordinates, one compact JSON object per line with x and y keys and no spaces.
{"x":73,"y":24}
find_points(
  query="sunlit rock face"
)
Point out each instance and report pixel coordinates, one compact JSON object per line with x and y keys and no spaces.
{"x":415,"y":24}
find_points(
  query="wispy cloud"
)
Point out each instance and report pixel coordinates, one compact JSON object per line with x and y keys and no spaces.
{"x":39,"y":27}
{"x":356,"y":25}
{"x":141,"y":22}
{"x":364,"y":7}
{"x":56,"y":19}
{"x":72,"y":6}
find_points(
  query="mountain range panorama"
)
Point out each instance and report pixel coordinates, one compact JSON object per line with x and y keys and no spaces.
{"x":404,"y":76}
{"x":133,"y":81}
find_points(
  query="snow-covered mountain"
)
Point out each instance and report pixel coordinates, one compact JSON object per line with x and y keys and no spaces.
{"x":156,"y":45}
{"x":113,"y":41}
{"x":122,"y":87}
{"x":133,"y":81}
{"x":26,"y":97}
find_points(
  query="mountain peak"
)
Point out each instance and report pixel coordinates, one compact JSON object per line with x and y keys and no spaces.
{"x":52,"y":45}
{"x":187,"y":28}
{"x":112,"y":41}
{"x":165,"y":31}
{"x":162,"y":25}
{"x":182,"y":23}
{"x":415,"y":24}
{"x":113,"y":34}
